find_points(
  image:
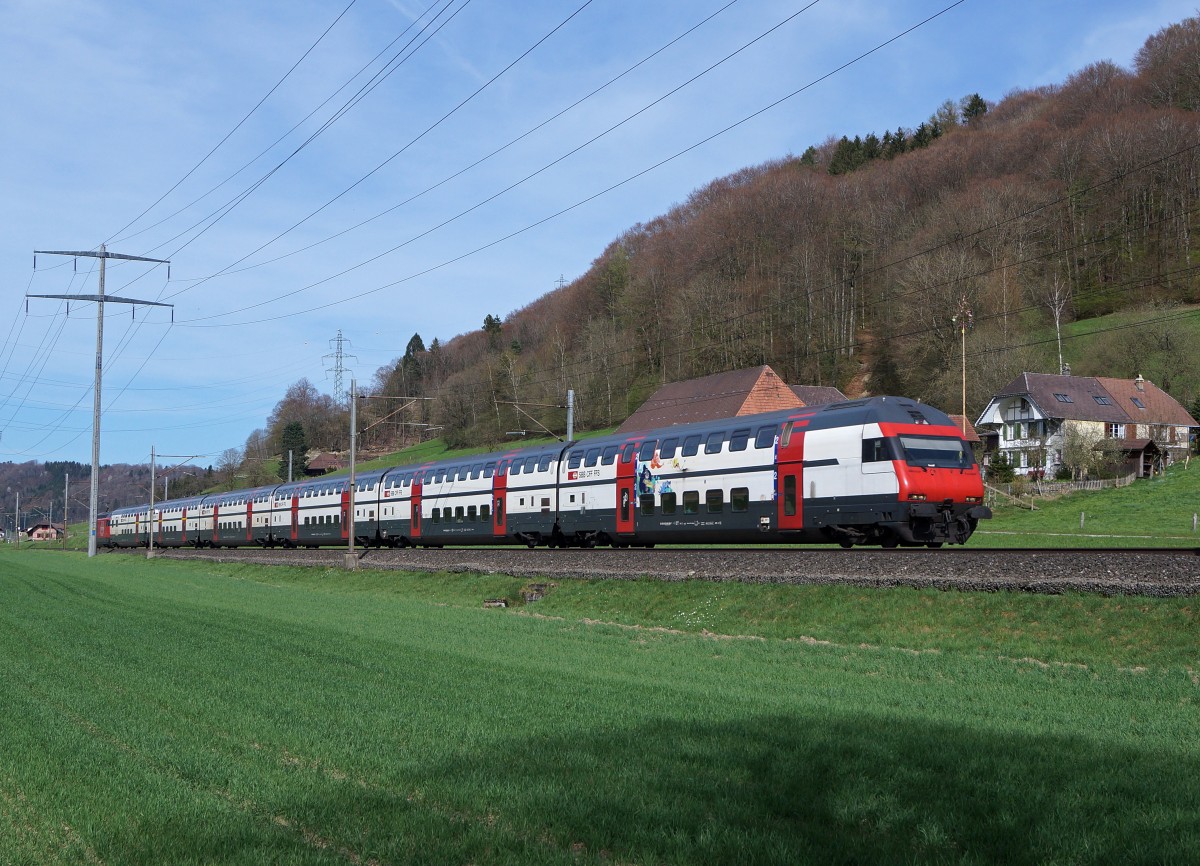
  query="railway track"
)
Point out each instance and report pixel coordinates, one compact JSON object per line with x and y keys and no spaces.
{"x":1129,"y":571}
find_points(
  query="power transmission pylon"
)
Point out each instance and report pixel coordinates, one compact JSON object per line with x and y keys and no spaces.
{"x":339,"y":366}
{"x":103,"y":255}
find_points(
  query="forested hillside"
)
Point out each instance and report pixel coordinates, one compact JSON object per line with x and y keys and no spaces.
{"x":855,"y":263}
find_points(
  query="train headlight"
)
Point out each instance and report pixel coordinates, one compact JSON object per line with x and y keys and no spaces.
{"x":974,"y":500}
{"x":920,"y":497}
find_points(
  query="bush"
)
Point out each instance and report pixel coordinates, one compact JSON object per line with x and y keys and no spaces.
{"x":999,"y":470}
{"x":1063,"y":473}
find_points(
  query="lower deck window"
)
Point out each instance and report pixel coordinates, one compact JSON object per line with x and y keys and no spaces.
{"x":715,"y":501}
{"x":691,"y":502}
{"x":739,"y":498}
{"x":668,"y":503}
{"x":647,"y":503}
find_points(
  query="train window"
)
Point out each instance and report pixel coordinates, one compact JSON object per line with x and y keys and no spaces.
{"x":739,"y":499}
{"x":593,"y":457}
{"x":937,"y":451}
{"x":789,"y":495}
{"x":458,"y":514}
{"x":647,"y":503}
{"x":609,"y":456}
{"x":691,"y":502}
{"x":738,"y":439}
{"x":476,"y":470}
{"x":502,"y":467}
{"x":668,"y":503}
{"x":544,"y":463}
{"x":646,"y":452}
{"x":436,"y":514}
{"x":485,"y":512}
{"x":715,"y":501}
{"x":627,"y":451}
{"x":545,"y":505}
{"x":786,"y":439}
{"x":712,"y":445}
{"x":531,"y":464}
{"x":489,"y":470}
{"x":690,"y":446}
{"x":516,"y":467}
{"x":667,"y":450}
{"x":471,"y":513}
{"x":876,"y":450}
{"x":574,"y":459}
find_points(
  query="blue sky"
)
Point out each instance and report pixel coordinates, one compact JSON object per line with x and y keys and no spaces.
{"x":139,"y":125}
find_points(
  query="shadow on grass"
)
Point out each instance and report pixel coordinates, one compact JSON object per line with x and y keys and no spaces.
{"x":795,"y":790}
{"x":778,"y":790}
{"x":782,"y":790}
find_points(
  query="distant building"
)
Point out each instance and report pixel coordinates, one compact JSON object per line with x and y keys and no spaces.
{"x":818,"y":395}
{"x":724,"y":395}
{"x":45,"y":532}
{"x":1030,"y":418}
{"x":967,"y":428}
{"x":323,"y":463}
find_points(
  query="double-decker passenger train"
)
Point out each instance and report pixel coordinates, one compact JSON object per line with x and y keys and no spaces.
{"x":880,"y":471}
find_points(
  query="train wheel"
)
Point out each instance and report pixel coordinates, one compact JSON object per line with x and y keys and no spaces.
{"x":846,"y":545}
{"x":934,"y":545}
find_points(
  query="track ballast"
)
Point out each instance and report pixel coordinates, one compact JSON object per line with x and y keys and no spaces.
{"x":1139,"y":572}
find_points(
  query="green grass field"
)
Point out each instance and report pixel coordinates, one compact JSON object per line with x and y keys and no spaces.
{"x":165,"y":712}
{"x":1152,"y":512}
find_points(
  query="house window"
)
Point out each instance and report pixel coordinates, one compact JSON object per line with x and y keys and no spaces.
{"x":1137,"y":402}
{"x":1103,"y":401}
{"x":1116,"y":431}
{"x":1063,"y":398}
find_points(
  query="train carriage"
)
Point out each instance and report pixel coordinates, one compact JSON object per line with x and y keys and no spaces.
{"x":883,"y":471}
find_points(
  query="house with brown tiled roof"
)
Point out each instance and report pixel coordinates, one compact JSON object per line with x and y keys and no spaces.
{"x":323,"y":463}
{"x":721,"y":395}
{"x":1030,"y":419}
{"x":818,"y":395}
{"x":725,"y":395}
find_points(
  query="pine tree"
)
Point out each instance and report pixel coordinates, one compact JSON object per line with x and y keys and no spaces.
{"x":293,"y":439}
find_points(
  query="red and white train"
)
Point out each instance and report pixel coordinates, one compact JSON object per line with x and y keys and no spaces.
{"x":880,"y":471}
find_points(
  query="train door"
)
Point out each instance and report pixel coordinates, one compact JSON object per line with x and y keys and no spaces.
{"x":346,"y":513}
{"x":415,"y":502}
{"x":249,"y":519}
{"x":295,"y":517}
{"x":216,"y":522}
{"x":183,"y":528}
{"x":500,"y":501}
{"x":626,"y":479}
{"x":789,"y":493}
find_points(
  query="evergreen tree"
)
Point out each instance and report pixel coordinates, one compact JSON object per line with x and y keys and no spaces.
{"x":293,"y":439}
{"x":972,"y":107}
{"x":491,"y":327}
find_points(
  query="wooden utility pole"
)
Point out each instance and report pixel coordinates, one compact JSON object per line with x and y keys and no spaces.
{"x":103,"y":255}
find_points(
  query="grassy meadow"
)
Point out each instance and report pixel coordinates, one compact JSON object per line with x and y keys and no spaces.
{"x":171,"y":712}
{"x":1151,"y":512}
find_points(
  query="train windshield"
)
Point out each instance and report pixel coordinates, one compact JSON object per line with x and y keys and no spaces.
{"x":937,"y":451}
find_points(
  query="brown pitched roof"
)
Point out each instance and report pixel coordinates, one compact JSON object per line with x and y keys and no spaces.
{"x":818,"y":395}
{"x":967,"y":427}
{"x":721,"y":395}
{"x":1076,"y":398}
{"x":1102,"y":398}
{"x":1158,"y":407}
